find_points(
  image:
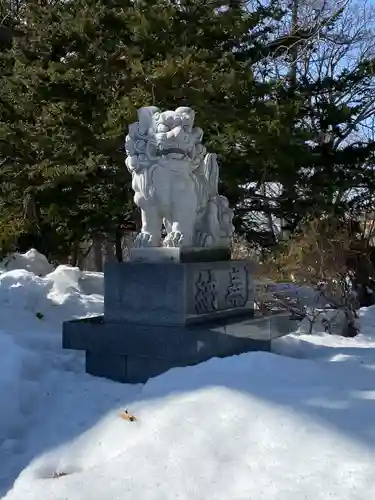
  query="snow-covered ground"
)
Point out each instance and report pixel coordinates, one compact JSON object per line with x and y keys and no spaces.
{"x":298,"y":424}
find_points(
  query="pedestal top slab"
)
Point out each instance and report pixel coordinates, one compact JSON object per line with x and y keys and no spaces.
{"x":179,"y":255}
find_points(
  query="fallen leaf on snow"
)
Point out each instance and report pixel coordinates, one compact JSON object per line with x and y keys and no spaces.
{"x":128,"y":416}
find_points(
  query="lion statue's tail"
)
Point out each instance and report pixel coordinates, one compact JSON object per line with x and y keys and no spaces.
{"x":211,"y":173}
{"x":214,"y":225}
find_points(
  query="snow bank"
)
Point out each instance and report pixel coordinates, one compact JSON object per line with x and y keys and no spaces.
{"x":256,"y":426}
{"x":32,"y":261}
{"x":367,"y":322}
{"x":32,"y":309}
{"x":17,"y":366}
{"x":230,"y":428}
{"x":62,"y":294}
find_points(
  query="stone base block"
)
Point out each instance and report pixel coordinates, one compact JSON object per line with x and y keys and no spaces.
{"x":132,"y":353}
{"x":177,"y":293}
{"x":125,"y":369}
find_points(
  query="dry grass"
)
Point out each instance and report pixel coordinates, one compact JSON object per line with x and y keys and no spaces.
{"x":318,"y":257}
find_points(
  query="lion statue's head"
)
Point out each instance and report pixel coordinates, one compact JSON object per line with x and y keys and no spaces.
{"x":163,"y":136}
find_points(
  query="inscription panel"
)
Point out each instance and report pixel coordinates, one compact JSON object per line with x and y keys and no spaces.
{"x":206,"y":294}
{"x":238,"y":291}
{"x":220,"y":288}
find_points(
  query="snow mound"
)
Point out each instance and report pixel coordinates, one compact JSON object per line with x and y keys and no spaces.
{"x":225,"y":429}
{"x":67,"y":279}
{"x":17,"y":365}
{"x":32,"y":310}
{"x":23,"y":290}
{"x":367,"y":322}
{"x":32,"y":261}
{"x":64,"y":277}
{"x":229,"y":428}
{"x":63,"y":294}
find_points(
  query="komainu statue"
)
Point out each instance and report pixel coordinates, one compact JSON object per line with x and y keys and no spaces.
{"x":175,"y":182}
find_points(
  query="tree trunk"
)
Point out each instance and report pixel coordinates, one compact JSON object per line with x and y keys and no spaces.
{"x":118,"y":243}
{"x":75,"y":254}
{"x":97,"y":253}
{"x":109,"y":251}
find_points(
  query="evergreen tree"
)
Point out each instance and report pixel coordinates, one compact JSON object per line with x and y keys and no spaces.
{"x":74,"y":73}
{"x":80,"y":71}
{"x":309,"y":149}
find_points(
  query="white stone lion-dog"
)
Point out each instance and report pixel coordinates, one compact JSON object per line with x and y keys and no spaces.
{"x":176,"y":182}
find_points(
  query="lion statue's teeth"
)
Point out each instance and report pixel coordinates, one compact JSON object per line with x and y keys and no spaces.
{"x":175,"y":182}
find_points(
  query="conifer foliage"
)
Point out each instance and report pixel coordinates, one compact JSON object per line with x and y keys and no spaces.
{"x":74,"y":72}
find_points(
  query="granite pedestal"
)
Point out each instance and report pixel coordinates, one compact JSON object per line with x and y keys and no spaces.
{"x":159,"y":315}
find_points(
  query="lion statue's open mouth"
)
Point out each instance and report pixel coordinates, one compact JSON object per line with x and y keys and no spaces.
{"x":169,"y":151}
{"x":175,"y":181}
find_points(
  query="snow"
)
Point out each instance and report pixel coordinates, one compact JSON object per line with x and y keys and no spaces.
{"x":32,"y":261}
{"x":294,"y":424}
{"x":32,"y":309}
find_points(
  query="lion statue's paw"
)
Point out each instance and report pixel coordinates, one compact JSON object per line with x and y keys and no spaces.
{"x":143,"y":240}
{"x":173,"y":239}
